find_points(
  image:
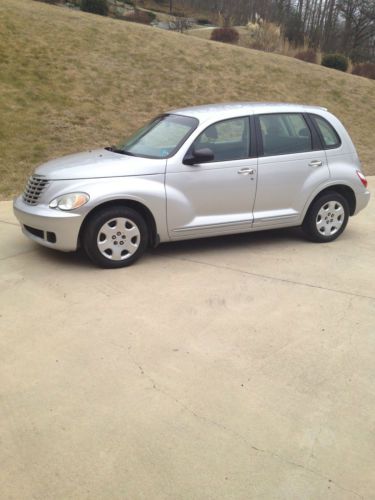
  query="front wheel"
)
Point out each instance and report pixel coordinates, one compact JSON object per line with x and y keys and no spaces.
{"x":115,"y":237}
{"x":327,"y":217}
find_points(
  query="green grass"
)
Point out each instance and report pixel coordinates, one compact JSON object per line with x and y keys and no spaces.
{"x":71,"y":81}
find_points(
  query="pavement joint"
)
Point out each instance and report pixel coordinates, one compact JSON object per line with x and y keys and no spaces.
{"x":17,"y":255}
{"x":10,"y":223}
{"x":274,"y":278}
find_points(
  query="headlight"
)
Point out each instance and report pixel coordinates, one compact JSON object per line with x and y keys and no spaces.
{"x":70,"y":201}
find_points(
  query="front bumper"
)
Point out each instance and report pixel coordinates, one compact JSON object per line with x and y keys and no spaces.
{"x":49,"y":227}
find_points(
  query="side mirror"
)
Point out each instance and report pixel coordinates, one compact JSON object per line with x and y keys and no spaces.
{"x":197,"y":156}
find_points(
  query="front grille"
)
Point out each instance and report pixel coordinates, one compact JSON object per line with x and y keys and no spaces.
{"x":34,"y":188}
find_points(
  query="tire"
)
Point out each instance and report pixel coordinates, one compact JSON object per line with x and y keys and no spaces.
{"x":115,"y":237}
{"x":326,"y":218}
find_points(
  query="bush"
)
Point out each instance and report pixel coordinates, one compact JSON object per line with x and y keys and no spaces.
{"x":140,"y":16}
{"x":225,"y":35}
{"x":364,"y":69}
{"x":336,"y":61}
{"x":264,"y":36}
{"x":307,"y":56}
{"x":95,"y":6}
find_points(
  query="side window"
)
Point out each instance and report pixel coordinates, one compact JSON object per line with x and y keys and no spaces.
{"x":284,"y":133}
{"x":328,"y":133}
{"x":228,"y":140}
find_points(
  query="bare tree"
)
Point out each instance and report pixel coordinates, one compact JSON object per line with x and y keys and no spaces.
{"x":346,"y":26}
{"x":179,"y":23}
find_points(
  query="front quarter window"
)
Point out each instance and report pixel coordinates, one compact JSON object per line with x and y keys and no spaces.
{"x":161,"y":138}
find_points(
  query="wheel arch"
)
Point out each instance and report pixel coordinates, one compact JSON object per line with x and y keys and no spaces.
{"x":144,"y":211}
{"x":345,"y":191}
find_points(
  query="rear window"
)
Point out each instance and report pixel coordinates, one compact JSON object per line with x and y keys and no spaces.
{"x":328,"y":134}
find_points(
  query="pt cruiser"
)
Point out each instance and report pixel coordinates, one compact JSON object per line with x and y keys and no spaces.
{"x":195,"y":172}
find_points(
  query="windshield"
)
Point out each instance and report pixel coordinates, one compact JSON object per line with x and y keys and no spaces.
{"x":161,"y":138}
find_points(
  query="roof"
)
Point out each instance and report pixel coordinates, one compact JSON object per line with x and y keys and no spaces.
{"x":228,"y":110}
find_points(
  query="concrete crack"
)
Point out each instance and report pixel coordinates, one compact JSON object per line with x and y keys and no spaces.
{"x":157,"y":387}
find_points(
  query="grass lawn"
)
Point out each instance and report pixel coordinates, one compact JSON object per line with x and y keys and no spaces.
{"x":71,"y":81}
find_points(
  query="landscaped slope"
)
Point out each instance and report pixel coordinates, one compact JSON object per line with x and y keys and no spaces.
{"x":70,"y":81}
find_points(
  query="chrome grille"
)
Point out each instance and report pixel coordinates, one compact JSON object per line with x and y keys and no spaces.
{"x":34,"y":188}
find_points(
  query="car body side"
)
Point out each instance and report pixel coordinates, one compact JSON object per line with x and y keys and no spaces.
{"x":161,"y":190}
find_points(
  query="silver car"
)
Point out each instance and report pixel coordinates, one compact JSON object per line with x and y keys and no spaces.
{"x":196,"y":172}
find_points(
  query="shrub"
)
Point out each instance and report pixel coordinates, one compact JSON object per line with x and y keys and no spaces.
{"x":226,"y":35}
{"x":364,"y":69}
{"x":336,"y":61}
{"x":307,"y":56}
{"x":95,"y":6}
{"x":140,"y":16}
{"x":264,"y":36}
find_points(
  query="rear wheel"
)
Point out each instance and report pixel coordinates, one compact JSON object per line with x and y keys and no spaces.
{"x":115,"y":237}
{"x":327,"y":217}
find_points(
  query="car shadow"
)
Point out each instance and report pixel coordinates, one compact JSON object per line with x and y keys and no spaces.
{"x":251,"y":240}
{"x":70,"y":259}
{"x":255,"y":240}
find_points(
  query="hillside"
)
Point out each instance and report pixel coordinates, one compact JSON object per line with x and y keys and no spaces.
{"x":71,"y":80}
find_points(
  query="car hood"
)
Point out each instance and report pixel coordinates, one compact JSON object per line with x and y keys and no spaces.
{"x":99,"y":163}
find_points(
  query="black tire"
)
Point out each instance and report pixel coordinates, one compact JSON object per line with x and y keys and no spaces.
{"x":326,"y":218}
{"x":121,"y":231}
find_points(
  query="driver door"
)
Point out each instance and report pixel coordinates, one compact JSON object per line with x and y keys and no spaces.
{"x":218,"y":196}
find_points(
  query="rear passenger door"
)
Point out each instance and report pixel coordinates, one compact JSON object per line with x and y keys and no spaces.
{"x":292,"y":163}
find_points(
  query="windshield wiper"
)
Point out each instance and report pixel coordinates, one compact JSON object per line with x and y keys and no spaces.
{"x":113,"y":149}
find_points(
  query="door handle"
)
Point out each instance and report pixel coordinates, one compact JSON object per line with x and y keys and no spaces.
{"x":315,"y":163}
{"x":246,"y":171}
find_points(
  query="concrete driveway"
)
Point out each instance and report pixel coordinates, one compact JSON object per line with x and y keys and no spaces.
{"x":230,"y":368}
